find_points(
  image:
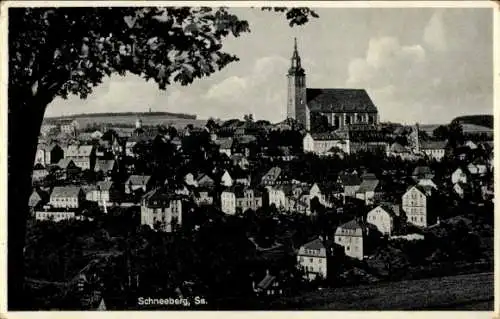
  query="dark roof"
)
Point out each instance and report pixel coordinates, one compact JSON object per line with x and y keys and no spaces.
{"x":224,"y":143}
{"x":422,"y":171}
{"x":104,"y":165}
{"x":64,"y":163}
{"x":316,"y":244}
{"x":368,"y":185}
{"x":432,"y":145}
{"x":353,"y":224}
{"x":266,"y":282}
{"x":350,"y":179}
{"x":104,"y":185}
{"x":339,"y":100}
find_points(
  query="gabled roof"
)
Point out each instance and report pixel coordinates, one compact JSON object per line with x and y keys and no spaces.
{"x":66,"y":191}
{"x":424,"y":189}
{"x":433,"y":145}
{"x":205,"y":180}
{"x":104,"y":165}
{"x":339,"y":100}
{"x":266,"y":282}
{"x":397,"y":148}
{"x":138,"y":179}
{"x":273,"y":173}
{"x":75,"y":150}
{"x":65,"y":162}
{"x":315,"y":244}
{"x":368,"y":185}
{"x":104,"y":185}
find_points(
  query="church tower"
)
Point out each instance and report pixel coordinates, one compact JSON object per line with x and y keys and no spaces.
{"x":296,"y":102}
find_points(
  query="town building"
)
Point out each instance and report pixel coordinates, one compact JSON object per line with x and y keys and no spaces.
{"x":225,"y":145}
{"x":459,"y":176}
{"x":383,"y":217}
{"x":48,"y":154}
{"x":369,"y":189}
{"x":312,"y":258}
{"x":271,"y":177}
{"x":240,"y":198}
{"x":100,"y":193}
{"x":433,"y":149}
{"x":69,"y":126}
{"x":349,"y":182}
{"x":161,"y":210}
{"x":55,"y":216}
{"x":137,"y":182}
{"x":68,"y":197}
{"x":417,"y":204}
{"x":82,"y":155}
{"x":226,"y":180}
{"x":106,"y":167}
{"x":350,"y":236}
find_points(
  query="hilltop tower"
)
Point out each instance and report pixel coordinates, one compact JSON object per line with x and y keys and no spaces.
{"x":296,"y":102}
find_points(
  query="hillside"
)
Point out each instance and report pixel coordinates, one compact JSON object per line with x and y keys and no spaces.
{"x":130,"y":114}
{"x":481,"y":120}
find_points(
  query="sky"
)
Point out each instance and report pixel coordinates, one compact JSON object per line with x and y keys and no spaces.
{"x":425,"y":65}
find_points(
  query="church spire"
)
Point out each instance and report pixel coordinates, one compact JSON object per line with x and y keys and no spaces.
{"x":295,"y":66}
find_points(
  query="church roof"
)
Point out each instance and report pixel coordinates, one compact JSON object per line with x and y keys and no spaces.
{"x":339,"y":100}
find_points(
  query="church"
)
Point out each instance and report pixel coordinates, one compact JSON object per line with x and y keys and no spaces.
{"x":342,"y":108}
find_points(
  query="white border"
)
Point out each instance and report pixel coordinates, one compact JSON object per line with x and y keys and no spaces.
{"x":495,"y":5}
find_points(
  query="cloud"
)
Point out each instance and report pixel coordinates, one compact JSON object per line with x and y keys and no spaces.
{"x":434,"y":33}
{"x":261,"y":92}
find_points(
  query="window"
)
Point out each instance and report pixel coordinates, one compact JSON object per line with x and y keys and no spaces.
{"x":311,"y":260}
{"x":320,"y":261}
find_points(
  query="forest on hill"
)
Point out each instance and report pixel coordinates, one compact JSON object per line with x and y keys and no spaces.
{"x":132,"y":114}
{"x":482,"y":120}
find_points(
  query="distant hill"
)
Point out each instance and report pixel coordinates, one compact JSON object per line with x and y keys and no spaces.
{"x":481,"y":120}
{"x":130,"y":114}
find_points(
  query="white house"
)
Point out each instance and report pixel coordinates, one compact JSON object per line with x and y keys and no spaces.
{"x":433,"y":149}
{"x":55,"y":216}
{"x":382,"y":217}
{"x":459,"y":176}
{"x":66,"y":197}
{"x":161,"y":210}
{"x":416,"y":205}
{"x":322,"y":143}
{"x":350,"y":236}
{"x":226,"y":179}
{"x":312,"y":257}
{"x":228,"y":202}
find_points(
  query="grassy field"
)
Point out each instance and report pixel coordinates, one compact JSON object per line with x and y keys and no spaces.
{"x":466,"y":292}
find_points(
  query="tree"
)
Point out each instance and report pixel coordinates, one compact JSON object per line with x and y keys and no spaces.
{"x":62,"y":51}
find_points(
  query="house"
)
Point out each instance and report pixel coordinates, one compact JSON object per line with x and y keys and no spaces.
{"x":383,"y":217}
{"x":240,"y":160}
{"x":271,"y":177}
{"x":433,"y":149}
{"x":39,"y":173}
{"x":107,"y":167}
{"x":240,"y":198}
{"x":269,"y":286}
{"x":422,"y":172}
{"x":226,"y":180}
{"x":48,"y":154}
{"x":67,"y":197}
{"x":278,"y":195}
{"x":100,"y":193}
{"x":398,"y":150}
{"x":82,"y":155}
{"x":161,"y":210}
{"x":190,"y":180}
{"x":38,"y":198}
{"x":241,"y":177}
{"x":368,"y":191}
{"x":205,"y":181}
{"x":477,"y":169}
{"x":417,"y":204}
{"x":136,"y":182}
{"x":312,"y":257}
{"x":349,"y":182}
{"x":322,"y":143}
{"x":350,"y":236}
{"x":459,"y":176}
{"x":55,"y":216}
{"x":470,"y":144}
{"x":462,"y":190}
{"x":225,"y":145}
{"x":68,"y":126}
{"x":203,"y":196}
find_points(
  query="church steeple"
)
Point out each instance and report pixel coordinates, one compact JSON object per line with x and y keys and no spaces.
{"x":295,"y":66}
{"x":296,"y":102}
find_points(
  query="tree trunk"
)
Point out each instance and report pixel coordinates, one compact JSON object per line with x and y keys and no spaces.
{"x":24,"y":124}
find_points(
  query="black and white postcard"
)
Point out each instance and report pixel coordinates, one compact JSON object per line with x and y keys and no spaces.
{"x":184,"y":156}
